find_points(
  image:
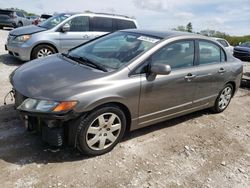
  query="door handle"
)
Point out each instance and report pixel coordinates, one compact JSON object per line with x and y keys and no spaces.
{"x":222,"y":70}
{"x":189,"y":77}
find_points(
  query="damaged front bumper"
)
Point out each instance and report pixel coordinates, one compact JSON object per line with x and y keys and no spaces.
{"x":52,"y":127}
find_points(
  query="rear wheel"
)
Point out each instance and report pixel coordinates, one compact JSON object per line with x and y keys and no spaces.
{"x":42,"y":51}
{"x":224,"y":98}
{"x":101,"y":130}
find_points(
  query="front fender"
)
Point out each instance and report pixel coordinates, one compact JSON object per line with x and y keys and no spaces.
{"x":92,"y":104}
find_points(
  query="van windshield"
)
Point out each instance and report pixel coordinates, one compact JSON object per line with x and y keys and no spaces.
{"x":54,"y":21}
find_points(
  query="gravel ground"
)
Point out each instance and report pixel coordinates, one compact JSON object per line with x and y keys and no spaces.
{"x":198,"y":150}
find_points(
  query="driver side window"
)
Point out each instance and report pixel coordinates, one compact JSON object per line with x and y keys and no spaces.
{"x":79,"y":24}
{"x":177,"y":55}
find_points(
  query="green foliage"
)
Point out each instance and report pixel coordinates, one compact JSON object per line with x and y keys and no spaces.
{"x":233,"y":40}
{"x":179,"y":28}
{"x":189,"y":27}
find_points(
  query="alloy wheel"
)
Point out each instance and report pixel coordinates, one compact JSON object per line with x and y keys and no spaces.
{"x":103,"y":131}
{"x":44,"y":52}
{"x":225,"y":98}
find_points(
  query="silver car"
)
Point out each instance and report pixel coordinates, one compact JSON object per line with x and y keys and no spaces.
{"x":62,"y":32}
{"x":225,"y":43}
{"x":126,"y":80}
{"x":13,"y":18}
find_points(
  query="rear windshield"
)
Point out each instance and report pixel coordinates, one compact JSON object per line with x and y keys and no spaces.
{"x":54,"y":21}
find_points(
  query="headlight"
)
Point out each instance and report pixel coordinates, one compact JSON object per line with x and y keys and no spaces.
{"x":46,"y":106}
{"x":22,"y":38}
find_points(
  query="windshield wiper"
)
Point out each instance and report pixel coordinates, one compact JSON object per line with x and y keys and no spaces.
{"x":85,"y":61}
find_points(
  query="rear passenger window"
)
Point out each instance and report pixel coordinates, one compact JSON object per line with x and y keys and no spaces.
{"x":124,"y":24}
{"x":80,"y":23}
{"x":177,"y":55}
{"x":210,"y":53}
{"x":101,"y":24}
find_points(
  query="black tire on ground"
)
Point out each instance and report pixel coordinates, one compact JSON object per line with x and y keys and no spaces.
{"x":84,"y":124}
{"x":217,"y":107}
{"x":20,"y":24}
{"x":35,"y":51}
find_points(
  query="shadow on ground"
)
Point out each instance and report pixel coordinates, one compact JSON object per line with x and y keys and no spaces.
{"x":20,"y":147}
{"x":10,"y":60}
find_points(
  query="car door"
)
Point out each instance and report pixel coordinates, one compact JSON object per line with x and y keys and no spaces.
{"x":79,"y":33}
{"x":168,"y":95}
{"x":212,"y":72}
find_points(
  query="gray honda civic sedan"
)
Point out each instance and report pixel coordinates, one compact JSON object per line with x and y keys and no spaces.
{"x":125,"y":80}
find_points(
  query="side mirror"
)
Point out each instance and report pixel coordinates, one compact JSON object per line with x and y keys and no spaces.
{"x":161,"y":69}
{"x":65,"y":27}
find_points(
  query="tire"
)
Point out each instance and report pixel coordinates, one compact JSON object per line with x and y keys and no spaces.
{"x":20,"y":24}
{"x":223,"y":98}
{"x":42,"y":51}
{"x":94,"y":138}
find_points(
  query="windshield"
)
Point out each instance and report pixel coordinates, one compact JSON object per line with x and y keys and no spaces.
{"x":115,"y":50}
{"x":53,"y":21}
{"x":246,"y":44}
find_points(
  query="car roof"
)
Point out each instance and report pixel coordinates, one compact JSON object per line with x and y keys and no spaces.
{"x":216,"y":38}
{"x":160,"y":34}
{"x":118,"y":16}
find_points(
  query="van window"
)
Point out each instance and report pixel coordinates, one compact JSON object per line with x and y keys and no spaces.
{"x":101,"y":24}
{"x":20,"y":14}
{"x":80,"y":23}
{"x":53,"y":21}
{"x":124,"y":24}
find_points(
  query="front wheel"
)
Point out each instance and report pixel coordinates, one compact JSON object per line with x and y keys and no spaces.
{"x":19,"y":24}
{"x":42,"y":51}
{"x":101,"y":130}
{"x":223,"y":98}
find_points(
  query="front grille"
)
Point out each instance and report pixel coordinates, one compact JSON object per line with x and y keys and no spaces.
{"x":19,"y":98}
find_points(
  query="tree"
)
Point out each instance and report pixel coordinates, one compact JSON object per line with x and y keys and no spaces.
{"x":189,"y":27}
{"x":180,"y":28}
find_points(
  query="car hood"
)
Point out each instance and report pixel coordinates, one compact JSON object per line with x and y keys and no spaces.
{"x":54,"y":78}
{"x":242,"y":48}
{"x":26,"y":30}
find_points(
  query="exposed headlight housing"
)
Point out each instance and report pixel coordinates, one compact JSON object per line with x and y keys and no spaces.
{"x":35,"y":105}
{"x":22,"y":38}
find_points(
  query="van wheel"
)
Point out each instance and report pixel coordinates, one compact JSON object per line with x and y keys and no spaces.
{"x":101,"y":130}
{"x":20,"y":24}
{"x":223,"y":98}
{"x":42,"y":51}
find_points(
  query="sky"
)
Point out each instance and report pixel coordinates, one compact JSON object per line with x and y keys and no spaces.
{"x":229,"y":16}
